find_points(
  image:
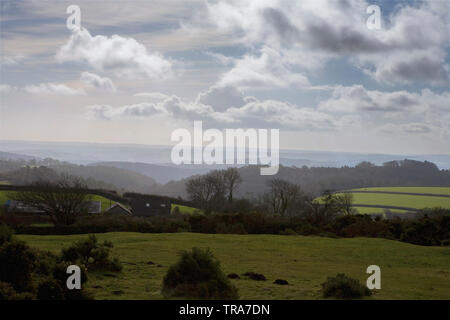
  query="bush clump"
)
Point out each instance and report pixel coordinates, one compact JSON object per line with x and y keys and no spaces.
{"x":17,"y":262}
{"x":7,"y":292}
{"x":92,"y":255}
{"x":27,"y":273}
{"x":197,"y":274}
{"x":343,"y":287}
{"x":6,"y":234}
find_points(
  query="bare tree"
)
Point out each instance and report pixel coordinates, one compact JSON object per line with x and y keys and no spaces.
{"x":345,"y":203}
{"x":232,"y":179}
{"x":283,"y":197}
{"x":207,"y":191}
{"x":330,"y":205}
{"x":64,"y":200}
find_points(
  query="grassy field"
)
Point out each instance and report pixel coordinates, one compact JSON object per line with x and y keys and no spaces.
{"x":401,"y":200}
{"x":429,"y":190}
{"x":417,"y":202}
{"x":184,"y":209}
{"x":407,"y":271}
{"x":364,"y":210}
{"x":105,"y":202}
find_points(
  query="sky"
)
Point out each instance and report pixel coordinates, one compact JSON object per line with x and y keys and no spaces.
{"x":137,"y":70}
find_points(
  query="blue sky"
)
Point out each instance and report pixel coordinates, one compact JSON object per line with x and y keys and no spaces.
{"x":137,"y":70}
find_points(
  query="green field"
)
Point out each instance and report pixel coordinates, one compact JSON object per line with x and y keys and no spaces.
{"x":417,"y":202}
{"x":364,"y":210}
{"x":435,"y":190}
{"x":105,"y":202}
{"x":184,"y":209}
{"x":407,"y":271}
{"x":401,"y":200}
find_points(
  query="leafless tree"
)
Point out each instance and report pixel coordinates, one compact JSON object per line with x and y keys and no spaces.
{"x":345,"y":203}
{"x":330,"y":205}
{"x":232,"y":179}
{"x":64,"y":200}
{"x":207,"y":191}
{"x":283,"y":197}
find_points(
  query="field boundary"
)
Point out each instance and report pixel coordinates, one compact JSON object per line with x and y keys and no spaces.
{"x":385,"y":207}
{"x":398,"y":193}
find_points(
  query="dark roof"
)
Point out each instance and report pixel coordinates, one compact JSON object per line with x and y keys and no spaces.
{"x":150,"y":206}
{"x":118,"y":208}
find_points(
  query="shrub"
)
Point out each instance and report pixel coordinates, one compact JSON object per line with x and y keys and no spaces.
{"x":6,"y":234}
{"x":92,"y":255}
{"x":344,"y":287}
{"x":7,"y":292}
{"x":59,"y":277}
{"x":288,"y":232}
{"x":197,"y":274}
{"x":50,"y":289}
{"x":17,"y":262}
{"x":445,"y":242}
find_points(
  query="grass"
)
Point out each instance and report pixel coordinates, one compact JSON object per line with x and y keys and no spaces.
{"x":400,"y":200}
{"x":429,"y":190}
{"x":105,"y":202}
{"x":364,"y":210}
{"x":407,"y":271}
{"x":184,"y":209}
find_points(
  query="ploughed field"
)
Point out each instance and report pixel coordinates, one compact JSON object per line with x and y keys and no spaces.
{"x":407,"y":271}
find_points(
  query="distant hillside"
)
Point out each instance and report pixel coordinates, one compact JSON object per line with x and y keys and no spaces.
{"x":161,"y":173}
{"x":135,"y":177}
{"x":314,"y":181}
{"x":122,"y":179}
{"x":88,"y":153}
{"x":14,"y":156}
{"x":22,"y":172}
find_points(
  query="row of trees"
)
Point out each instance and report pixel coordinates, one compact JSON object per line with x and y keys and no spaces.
{"x":211,"y":192}
{"x":214,"y":192}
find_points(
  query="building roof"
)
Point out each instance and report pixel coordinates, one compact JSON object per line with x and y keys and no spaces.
{"x":118,"y":207}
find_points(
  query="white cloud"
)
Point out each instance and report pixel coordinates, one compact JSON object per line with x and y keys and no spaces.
{"x":405,"y":128}
{"x":267,"y":70}
{"x":221,"y":98}
{"x":248,"y":112}
{"x":411,"y":46}
{"x":152,"y":95}
{"x":5,"y":88}
{"x":99,"y":83}
{"x":358,"y":99}
{"x":125,"y":57}
{"x":6,"y":61}
{"x":53,"y":89}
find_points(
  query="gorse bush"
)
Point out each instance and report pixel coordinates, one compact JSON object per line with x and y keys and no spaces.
{"x":27,"y":273}
{"x":7,"y":292}
{"x":17,"y":262}
{"x":344,"y":287}
{"x":198,"y":275}
{"x":92,"y":254}
{"x":55,"y":288}
{"x":6,"y":233}
{"x":430,"y":229}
